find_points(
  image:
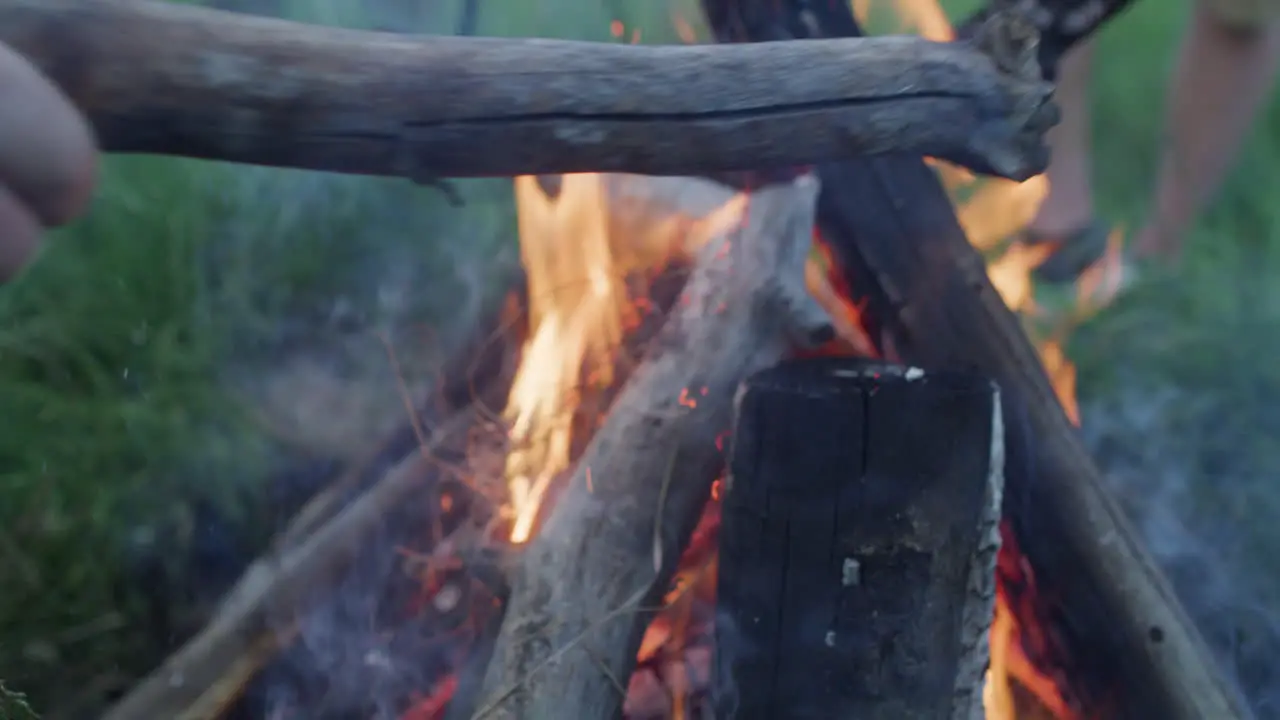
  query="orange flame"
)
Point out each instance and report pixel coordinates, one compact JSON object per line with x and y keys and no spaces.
{"x":579,"y":248}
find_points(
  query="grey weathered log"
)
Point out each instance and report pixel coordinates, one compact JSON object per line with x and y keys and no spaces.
{"x":172,"y":79}
{"x":858,"y":543}
{"x":591,"y":577}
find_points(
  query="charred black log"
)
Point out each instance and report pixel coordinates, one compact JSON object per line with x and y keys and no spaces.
{"x":858,"y":544}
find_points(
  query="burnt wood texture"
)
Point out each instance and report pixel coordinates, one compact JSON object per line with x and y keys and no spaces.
{"x":858,"y":544}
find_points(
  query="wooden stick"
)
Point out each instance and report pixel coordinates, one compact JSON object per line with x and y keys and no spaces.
{"x":179,"y":80}
{"x":893,"y":230}
{"x":602,"y":560}
{"x":858,"y":544}
{"x":233,"y":644}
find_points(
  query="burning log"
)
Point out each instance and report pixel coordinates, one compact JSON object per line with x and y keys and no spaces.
{"x":205,"y":676}
{"x":895,"y":234}
{"x":173,"y":79}
{"x":858,"y":544}
{"x":1135,"y":649}
{"x":602,"y":561}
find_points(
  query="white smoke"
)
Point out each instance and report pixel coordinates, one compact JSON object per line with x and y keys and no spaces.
{"x":1201,"y":512}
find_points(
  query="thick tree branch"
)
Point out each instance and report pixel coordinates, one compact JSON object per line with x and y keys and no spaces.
{"x":178,"y":80}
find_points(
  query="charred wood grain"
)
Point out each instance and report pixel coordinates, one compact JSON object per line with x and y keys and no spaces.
{"x":165,"y":78}
{"x":858,"y":543}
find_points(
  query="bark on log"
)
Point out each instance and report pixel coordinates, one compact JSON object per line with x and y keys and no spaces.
{"x":894,"y":231}
{"x":173,"y":79}
{"x":591,"y":577}
{"x":858,"y":544}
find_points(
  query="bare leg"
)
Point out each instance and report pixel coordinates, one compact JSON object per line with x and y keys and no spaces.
{"x":1223,"y":75}
{"x":1069,"y":204}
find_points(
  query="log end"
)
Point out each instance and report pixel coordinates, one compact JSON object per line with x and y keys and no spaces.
{"x":858,"y":542}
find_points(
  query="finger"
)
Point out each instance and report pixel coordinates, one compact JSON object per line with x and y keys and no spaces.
{"x":19,"y":234}
{"x":47,"y":153}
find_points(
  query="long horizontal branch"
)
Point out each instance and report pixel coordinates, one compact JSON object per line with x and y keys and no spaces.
{"x":162,"y":78}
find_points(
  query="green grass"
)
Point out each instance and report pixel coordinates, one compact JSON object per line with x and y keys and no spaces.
{"x":115,"y":353}
{"x":106,"y":355}
{"x":115,"y":347}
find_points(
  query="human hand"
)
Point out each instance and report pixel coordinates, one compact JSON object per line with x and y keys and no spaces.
{"x":48,"y":160}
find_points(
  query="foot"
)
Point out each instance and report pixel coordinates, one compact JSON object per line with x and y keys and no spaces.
{"x":1073,"y":252}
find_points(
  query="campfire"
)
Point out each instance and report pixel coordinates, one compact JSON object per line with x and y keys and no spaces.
{"x":598,"y":250}
{"x":594,"y":246}
{"x":768,"y":445}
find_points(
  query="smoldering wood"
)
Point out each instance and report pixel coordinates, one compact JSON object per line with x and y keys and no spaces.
{"x":478,"y":370}
{"x":209,"y":672}
{"x":173,"y":79}
{"x":858,"y":542}
{"x":894,"y":232}
{"x":591,"y":578}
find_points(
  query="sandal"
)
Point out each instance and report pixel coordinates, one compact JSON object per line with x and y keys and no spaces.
{"x":1061,"y":288}
{"x":1073,"y":253}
